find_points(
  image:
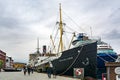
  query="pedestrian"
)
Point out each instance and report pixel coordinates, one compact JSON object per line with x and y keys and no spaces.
{"x":32,"y":70}
{"x":28,"y":69}
{"x":24,"y":70}
{"x":54,"y":72}
{"x":49,"y":72}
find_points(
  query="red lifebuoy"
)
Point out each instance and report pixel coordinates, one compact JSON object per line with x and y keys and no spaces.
{"x":78,"y":71}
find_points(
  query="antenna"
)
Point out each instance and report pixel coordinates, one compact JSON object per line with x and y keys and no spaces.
{"x":91,"y":31}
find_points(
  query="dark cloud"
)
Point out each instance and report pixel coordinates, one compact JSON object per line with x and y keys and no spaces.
{"x":112,"y":35}
{"x":115,"y":16}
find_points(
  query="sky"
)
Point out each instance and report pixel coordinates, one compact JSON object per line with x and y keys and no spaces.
{"x":23,"y":21}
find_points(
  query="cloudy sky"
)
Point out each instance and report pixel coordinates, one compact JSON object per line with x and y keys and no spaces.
{"x":23,"y":21}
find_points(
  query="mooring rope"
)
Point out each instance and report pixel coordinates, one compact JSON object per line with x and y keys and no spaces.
{"x":72,"y":62}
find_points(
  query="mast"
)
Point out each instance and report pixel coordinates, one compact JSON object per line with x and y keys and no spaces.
{"x":61,"y":29}
{"x":52,"y":43}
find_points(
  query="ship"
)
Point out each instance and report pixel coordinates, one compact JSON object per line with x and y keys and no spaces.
{"x":83,"y":54}
{"x":105,"y":53}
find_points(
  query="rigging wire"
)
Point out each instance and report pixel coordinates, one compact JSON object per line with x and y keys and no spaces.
{"x":55,"y":24}
{"x":72,"y":29}
{"x":56,"y":34}
{"x":67,"y":34}
{"x":74,"y":22}
{"x":65,"y":39}
{"x":54,"y":28}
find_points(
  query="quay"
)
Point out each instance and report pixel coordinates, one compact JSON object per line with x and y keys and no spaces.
{"x":34,"y":76}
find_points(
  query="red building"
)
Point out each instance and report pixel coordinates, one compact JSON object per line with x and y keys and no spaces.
{"x":3,"y":57}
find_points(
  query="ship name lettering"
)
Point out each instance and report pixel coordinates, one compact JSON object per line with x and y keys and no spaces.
{"x":66,"y":59}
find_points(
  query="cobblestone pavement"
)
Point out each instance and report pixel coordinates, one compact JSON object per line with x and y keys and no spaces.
{"x":34,"y":76}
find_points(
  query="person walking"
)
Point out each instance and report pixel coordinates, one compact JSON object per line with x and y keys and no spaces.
{"x":49,"y":72}
{"x":54,"y":72}
{"x":24,"y":70}
{"x":32,"y":70}
{"x":28,"y":69}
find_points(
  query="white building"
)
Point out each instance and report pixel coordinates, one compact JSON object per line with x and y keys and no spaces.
{"x":9,"y":62}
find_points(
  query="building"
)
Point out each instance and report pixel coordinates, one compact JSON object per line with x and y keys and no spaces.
{"x":113,"y":70}
{"x":9,"y":62}
{"x":18,"y":65}
{"x":3,"y":58}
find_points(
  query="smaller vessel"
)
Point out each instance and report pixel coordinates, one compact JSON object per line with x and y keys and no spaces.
{"x":105,"y":53}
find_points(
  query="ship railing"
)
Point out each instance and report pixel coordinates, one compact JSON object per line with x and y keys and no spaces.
{"x":111,"y":57}
{"x":84,"y":42}
{"x":46,"y":60}
{"x":102,"y":59}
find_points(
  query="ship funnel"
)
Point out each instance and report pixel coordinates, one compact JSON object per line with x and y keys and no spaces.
{"x":44,"y":49}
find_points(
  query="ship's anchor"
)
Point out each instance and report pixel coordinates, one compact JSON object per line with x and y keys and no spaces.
{"x":86,"y":61}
